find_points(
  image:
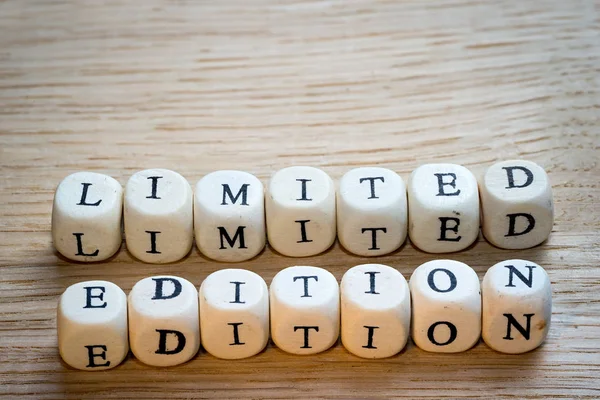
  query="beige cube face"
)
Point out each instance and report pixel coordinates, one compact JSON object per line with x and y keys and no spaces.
{"x":164,"y":327}
{"x":305,"y":310}
{"x":375,"y":311}
{"x":229,"y":215}
{"x":517,"y":306}
{"x":92,"y":325}
{"x":158,"y":216}
{"x":372,"y":212}
{"x":234,"y":309}
{"x":443,"y":202}
{"x":86,"y":217}
{"x":446,"y":299}
{"x":301,"y":217}
{"x":517,"y":204}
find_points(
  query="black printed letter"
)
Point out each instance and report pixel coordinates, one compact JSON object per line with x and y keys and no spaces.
{"x":444,"y":227}
{"x":306,"y":278}
{"x":511,"y":178}
{"x":84,"y":195}
{"x":512,"y":220}
{"x":162,"y":342}
{"x":89,"y":296}
{"x":80,"y":247}
{"x":306,"y":329}
{"x":373,"y":236}
{"x":513,"y":322}
{"x":239,"y":233}
{"x":512,"y":270}
{"x":242,"y":192}
{"x":158,"y":291}
{"x":431,"y":280}
{"x":372,"y":182}
{"x":431,"y":332}
{"x":441,"y":184}
{"x":92,"y":355}
{"x":154,"y":180}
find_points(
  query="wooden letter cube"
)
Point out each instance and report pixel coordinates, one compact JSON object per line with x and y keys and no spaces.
{"x":446,"y":306}
{"x":375,"y":311}
{"x":305,"y":310}
{"x":371,"y":211}
{"x":301,"y":211}
{"x":159,"y":225}
{"x":234,"y":313}
{"x":229,"y":215}
{"x":86,"y":217}
{"x":443,"y":202}
{"x":92,"y":325}
{"x":517,"y":206}
{"x":164,"y":328}
{"x":517,"y":306}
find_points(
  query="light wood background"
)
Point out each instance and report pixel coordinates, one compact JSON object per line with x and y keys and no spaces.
{"x":194,"y":86}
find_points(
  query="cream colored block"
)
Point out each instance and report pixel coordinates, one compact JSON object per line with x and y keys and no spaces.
{"x":375,"y":311}
{"x":300,"y":205}
{"x":446,"y":314}
{"x":372,"y":212}
{"x":164,"y":328}
{"x":517,"y":205}
{"x":305,"y":310}
{"x":159,"y":224}
{"x":92,"y":325}
{"x":86,"y":217}
{"x":443,"y":204}
{"x":517,"y":306}
{"x":234,"y":309}
{"x":229,"y":216}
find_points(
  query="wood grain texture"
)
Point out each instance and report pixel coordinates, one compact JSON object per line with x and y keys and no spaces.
{"x":257,"y":85}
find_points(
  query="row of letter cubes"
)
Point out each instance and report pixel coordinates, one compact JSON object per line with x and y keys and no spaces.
{"x":165,"y":318}
{"x":371,"y":212}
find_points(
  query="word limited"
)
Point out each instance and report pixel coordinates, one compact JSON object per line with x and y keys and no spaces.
{"x":371,"y":212}
{"x":165,"y":319}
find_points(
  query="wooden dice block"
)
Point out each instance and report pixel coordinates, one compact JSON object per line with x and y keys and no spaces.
{"x":92,"y":325}
{"x":375,"y":311}
{"x":164,"y":329}
{"x":234,"y":313}
{"x":371,"y":211}
{"x":86,"y":217}
{"x":446,"y":314}
{"x":443,"y":208}
{"x":305,"y":310}
{"x":517,"y":206}
{"x":517,"y":306}
{"x":229,"y":215}
{"x":159,"y":225}
{"x":300,"y":209}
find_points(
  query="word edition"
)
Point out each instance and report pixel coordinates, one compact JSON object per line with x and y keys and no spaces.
{"x":301,"y":212}
{"x":165,"y":319}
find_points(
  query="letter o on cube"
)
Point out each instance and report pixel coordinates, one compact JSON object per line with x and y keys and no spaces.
{"x":86,"y":217}
{"x":158,"y":216}
{"x":517,"y":306}
{"x":372,"y":211}
{"x":446,"y":313}
{"x":516,"y":204}
{"x":164,"y":329}
{"x":375,"y":311}
{"x":305,"y":310}
{"x":234,"y":304}
{"x":92,"y":325}
{"x":300,"y":207}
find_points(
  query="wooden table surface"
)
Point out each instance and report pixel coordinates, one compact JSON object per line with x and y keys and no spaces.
{"x":196,"y":86}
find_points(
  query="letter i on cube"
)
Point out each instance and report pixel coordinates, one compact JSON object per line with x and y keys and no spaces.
{"x":375,"y":311}
{"x":300,"y":207}
{"x":164,"y":326}
{"x":444,"y":208}
{"x":92,"y":325}
{"x":86,"y":217}
{"x":371,"y":211}
{"x":158,"y":216}
{"x":517,"y":205}
{"x":517,"y":306}
{"x":234,"y":304}
{"x":305,"y":310}
{"x":229,"y":215}
{"x":446,"y":299}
